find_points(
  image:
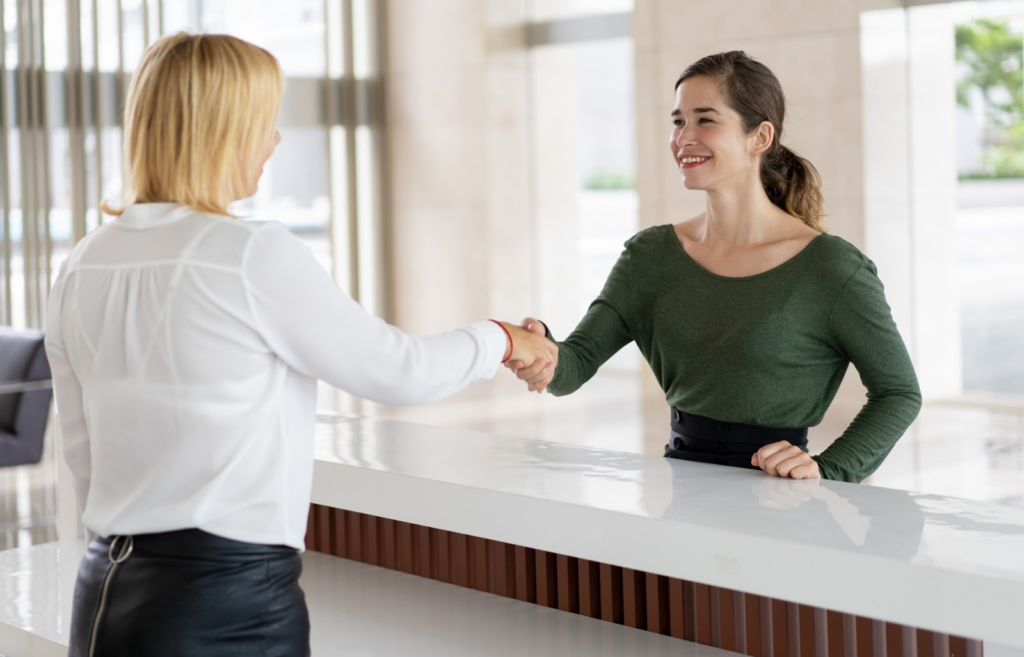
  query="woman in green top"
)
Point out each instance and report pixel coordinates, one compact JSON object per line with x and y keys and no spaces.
{"x":749,"y":314}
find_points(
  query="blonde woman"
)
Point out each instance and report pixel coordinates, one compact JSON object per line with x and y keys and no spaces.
{"x":186,"y":345}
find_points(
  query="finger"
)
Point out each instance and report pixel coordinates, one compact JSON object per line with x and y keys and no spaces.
{"x":534,"y":326}
{"x":515,"y":365}
{"x":772,"y":462}
{"x":531,"y":371}
{"x":791,"y":461}
{"x":806,"y":471}
{"x":540,"y":385}
{"x":768,"y":451}
{"x":545,"y":373}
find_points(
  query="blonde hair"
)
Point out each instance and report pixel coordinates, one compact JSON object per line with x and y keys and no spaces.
{"x":200,"y":109}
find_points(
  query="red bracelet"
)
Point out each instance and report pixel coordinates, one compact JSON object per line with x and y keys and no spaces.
{"x":511,"y":344}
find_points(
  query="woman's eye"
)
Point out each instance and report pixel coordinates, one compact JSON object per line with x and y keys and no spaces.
{"x":705,"y":120}
{"x":677,"y":122}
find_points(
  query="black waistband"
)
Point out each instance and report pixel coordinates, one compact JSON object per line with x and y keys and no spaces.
{"x":190,"y":543}
{"x":698,"y":427}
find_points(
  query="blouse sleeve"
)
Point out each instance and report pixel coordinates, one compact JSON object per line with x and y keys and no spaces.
{"x":862,"y":328}
{"x":67,"y":392}
{"x":311,"y":324}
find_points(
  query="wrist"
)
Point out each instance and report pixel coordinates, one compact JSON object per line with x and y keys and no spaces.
{"x":509,"y":345}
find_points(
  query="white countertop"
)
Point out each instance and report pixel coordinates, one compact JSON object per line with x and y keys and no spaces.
{"x":927,"y":561}
{"x":356,"y":610}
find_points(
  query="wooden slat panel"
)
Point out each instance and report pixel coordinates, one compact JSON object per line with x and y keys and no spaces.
{"x":940,"y":644}
{"x":354,"y":534}
{"x":835,"y":633}
{"x":547,"y":579}
{"x":676,"y":609}
{"x":739,"y":623}
{"x":849,"y":635}
{"x":568,"y":583}
{"x":727,"y":619}
{"x":634,"y":598}
{"x":440,"y":559}
{"x":792,"y":629}
{"x":780,"y":628}
{"x":478,"y":575}
{"x":403,"y":547}
{"x":371,"y":540}
{"x":754,"y":641}
{"x":716,"y":616}
{"x":957,"y":646}
{"x":340,"y":531}
{"x":388,"y":547}
{"x":504,"y":569}
{"x":589,"y":575}
{"x":689,"y":611}
{"x":657,"y":604}
{"x":974,"y":648}
{"x":865,"y":637}
{"x":421,"y":550}
{"x":821,"y":633}
{"x":323,"y":529}
{"x":925,"y":646}
{"x":611,"y":593}
{"x":878,"y":640}
{"x":909,"y":642}
{"x":806,"y":631}
{"x":894,"y":640}
{"x":310,"y":539}
{"x":702,"y":606}
{"x":526,"y":574}
{"x":459,"y":551}
{"x":767,"y":627}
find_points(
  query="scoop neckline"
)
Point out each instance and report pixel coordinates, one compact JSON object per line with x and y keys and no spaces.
{"x":782,"y":265}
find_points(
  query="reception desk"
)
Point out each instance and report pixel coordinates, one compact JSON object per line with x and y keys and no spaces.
{"x":714,"y":559}
{"x":718,"y":556}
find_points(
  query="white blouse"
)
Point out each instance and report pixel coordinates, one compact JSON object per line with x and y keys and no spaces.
{"x":185,"y":350}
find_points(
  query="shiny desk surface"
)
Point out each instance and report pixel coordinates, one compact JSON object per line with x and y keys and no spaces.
{"x":927,"y":561}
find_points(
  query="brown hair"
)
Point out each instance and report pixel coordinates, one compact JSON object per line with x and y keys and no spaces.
{"x":752,"y":90}
{"x":199,"y":108}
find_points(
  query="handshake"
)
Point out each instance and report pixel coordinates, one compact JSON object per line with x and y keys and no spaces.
{"x":531,"y":356}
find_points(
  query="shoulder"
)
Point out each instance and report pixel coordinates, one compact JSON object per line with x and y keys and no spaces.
{"x":837,"y":261}
{"x":650,"y":239}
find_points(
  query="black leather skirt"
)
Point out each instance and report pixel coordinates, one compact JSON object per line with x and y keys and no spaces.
{"x":188,"y":594}
{"x":704,"y":440}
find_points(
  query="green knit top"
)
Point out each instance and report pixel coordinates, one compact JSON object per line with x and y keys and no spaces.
{"x":769,"y":350}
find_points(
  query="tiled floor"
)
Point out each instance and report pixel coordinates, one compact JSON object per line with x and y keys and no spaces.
{"x":971,"y":448}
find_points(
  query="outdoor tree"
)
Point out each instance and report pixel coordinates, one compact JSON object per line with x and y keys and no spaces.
{"x":991,"y":55}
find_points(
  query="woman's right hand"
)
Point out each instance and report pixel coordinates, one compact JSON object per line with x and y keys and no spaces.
{"x":536,"y":374}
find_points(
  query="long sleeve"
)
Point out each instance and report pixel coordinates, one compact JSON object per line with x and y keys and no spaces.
{"x":862,"y":329}
{"x":601,"y":332}
{"x":67,"y":392}
{"x":311,"y":324}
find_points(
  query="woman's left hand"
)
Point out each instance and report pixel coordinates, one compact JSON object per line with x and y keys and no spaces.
{"x":784,"y":459}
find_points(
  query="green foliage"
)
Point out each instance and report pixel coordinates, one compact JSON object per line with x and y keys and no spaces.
{"x":608,"y":180}
{"x":992,"y":57}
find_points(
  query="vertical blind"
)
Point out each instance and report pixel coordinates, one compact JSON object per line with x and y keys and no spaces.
{"x":66,"y":68}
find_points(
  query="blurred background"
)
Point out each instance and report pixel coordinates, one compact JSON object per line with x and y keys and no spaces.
{"x":453,"y":160}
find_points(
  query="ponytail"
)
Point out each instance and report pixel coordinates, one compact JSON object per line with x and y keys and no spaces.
{"x":793,"y":184}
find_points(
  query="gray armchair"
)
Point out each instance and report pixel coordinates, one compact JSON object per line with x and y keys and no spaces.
{"x":25,"y":394}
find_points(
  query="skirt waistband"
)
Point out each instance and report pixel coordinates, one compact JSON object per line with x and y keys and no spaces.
{"x":195,"y":544}
{"x":739,"y":436}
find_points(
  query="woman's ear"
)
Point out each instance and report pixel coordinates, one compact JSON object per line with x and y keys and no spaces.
{"x":761,"y":139}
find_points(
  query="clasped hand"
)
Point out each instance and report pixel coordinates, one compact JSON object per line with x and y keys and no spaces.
{"x":533,"y":357}
{"x":783,"y":459}
{"x":536,"y":368}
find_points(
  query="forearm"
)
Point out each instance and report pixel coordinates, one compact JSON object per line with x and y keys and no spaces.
{"x":870,"y":437}
{"x":600,"y":334}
